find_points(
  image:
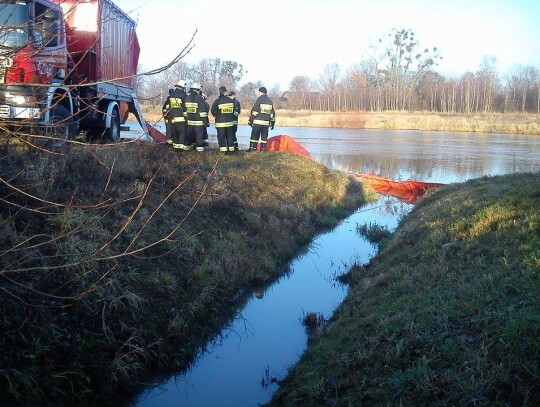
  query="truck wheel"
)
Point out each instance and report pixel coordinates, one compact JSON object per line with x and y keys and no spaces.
{"x":60,"y":129}
{"x":113,"y":132}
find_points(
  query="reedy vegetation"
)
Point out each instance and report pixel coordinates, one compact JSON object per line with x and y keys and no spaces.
{"x":120,"y":259}
{"x":504,"y":123}
{"x":446,"y":314}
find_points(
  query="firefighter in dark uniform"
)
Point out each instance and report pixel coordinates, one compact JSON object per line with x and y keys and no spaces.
{"x":178,"y":115}
{"x":237,"y":110}
{"x":223,"y":111}
{"x":205,"y":138}
{"x":166,"y":109}
{"x":262,"y":117}
{"x":197,"y":116}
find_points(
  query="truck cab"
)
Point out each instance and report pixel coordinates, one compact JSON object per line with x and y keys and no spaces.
{"x":32,"y":52}
{"x":67,"y":66}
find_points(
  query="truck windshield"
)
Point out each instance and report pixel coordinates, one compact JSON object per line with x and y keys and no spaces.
{"x":13,"y":24}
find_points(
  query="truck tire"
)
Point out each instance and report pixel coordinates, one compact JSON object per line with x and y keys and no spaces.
{"x":60,"y":129}
{"x":113,"y":133}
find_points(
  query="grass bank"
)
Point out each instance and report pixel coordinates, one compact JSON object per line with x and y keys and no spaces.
{"x":118,"y":260}
{"x":447,"y":313}
{"x":506,"y":123}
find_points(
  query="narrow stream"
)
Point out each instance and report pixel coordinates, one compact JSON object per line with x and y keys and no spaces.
{"x":267,"y":337}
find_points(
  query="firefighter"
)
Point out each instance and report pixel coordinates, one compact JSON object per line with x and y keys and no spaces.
{"x":223,"y":111}
{"x":197,"y":116}
{"x":205,"y":138}
{"x":166,"y":109}
{"x":177,"y":113}
{"x":261,"y":118}
{"x":237,"y":109}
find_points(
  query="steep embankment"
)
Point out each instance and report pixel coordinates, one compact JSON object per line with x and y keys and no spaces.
{"x":118,"y":259}
{"x":448,"y":313}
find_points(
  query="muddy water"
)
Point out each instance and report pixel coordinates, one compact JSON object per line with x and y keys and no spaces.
{"x":240,"y":368}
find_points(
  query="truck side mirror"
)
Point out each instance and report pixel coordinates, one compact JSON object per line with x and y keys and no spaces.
{"x":47,"y":26}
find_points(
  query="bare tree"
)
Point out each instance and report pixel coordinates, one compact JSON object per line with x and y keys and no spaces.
{"x":301,"y":84}
{"x":329,"y":78}
{"x":328,"y":81}
{"x":178,"y":71}
{"x":213,"y":73}
{"x":405,"y":61}
{"x":247,"y":93}
{"x":521,"y":84}
{"x":301,"y":96}
{"x":355,"y":84}
{"x":275,"y":91}
{"x":531,"y":78}
{"x":488,"y":81}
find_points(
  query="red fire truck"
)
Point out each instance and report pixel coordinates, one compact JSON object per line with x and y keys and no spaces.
{"x":67,"y":67}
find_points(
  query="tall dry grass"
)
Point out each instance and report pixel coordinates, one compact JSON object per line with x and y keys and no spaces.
{"x":506,"y":123}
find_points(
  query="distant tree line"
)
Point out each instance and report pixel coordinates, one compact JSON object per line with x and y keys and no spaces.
{"x":397,"y":74}
{"x":210,"y":73}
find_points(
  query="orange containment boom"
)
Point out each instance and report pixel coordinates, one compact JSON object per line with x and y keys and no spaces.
{"x":286,"y":144}
{"x":406,"y":191}
{"x":155,"y":133}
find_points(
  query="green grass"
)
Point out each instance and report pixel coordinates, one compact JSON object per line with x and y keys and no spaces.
{"x":120,"y":260}
{"x":447,"y":313}
{"x":373,"y":232}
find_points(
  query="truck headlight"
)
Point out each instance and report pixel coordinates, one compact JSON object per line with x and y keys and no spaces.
{"x":20,"y":99}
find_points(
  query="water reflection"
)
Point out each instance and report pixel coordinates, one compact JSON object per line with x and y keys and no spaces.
{"x":267,"y":337}
{"x":405,"y":154}
{"x":444,"y":157}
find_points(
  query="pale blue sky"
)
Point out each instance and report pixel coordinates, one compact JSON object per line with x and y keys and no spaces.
{"x":306,"y":35}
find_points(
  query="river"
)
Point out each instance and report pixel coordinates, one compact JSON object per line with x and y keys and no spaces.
{"x":240,"y":368}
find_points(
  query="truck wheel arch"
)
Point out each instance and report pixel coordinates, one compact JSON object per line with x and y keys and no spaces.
{"x":112,"y":121}
{"x":59,"y":96}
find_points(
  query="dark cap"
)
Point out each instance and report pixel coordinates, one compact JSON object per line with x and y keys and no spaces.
{"x":231,"y":93}
{"x":263,"y":89}
{"x":222,"y":89}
